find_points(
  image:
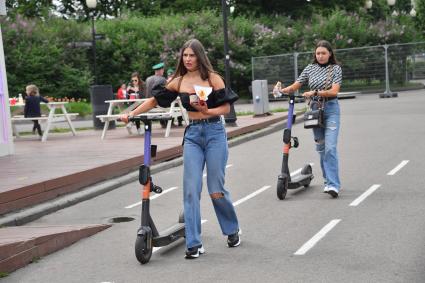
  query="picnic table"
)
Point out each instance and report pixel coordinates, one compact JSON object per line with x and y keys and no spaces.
{"x":50,"y":118}
{"x":159,"y":112}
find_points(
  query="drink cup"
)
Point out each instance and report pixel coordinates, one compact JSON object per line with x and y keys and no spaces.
{"x":193,"y":98}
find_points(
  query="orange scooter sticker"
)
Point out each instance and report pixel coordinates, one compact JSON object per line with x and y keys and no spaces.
{"x":146,"y":190}
{"x":286,"y":148}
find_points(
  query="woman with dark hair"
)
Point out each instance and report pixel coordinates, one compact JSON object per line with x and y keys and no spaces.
{"x":205,"y":142}
{"x":134,"y":91}
{"x":135,"y":86}
{"x":324,"y":77}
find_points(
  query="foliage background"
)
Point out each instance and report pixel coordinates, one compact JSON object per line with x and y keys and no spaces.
{"x":37,"y":43}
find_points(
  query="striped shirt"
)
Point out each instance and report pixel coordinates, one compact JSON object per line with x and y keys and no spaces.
{"x":316,"y":75}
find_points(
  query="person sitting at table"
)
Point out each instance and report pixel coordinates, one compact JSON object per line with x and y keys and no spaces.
{"x":135,"y":90}
{"x":32,"y":106}
{"x":122,"y":92}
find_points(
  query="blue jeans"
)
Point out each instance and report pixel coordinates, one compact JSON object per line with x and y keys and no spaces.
{"x":206,"y":144}
{"x":326,"y":144}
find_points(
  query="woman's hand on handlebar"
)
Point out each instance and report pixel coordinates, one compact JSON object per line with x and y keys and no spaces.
{"x":125,"y":117}
{"x":309,"y":93}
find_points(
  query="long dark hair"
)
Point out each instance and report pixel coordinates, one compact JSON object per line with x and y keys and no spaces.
{"x":204,"y":64}
{"x":328,"y":46}
{"x":140,"y":84}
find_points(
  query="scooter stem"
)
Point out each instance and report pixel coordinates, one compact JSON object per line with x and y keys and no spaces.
{"x":290,"y":112}
{"x":147,"y":146}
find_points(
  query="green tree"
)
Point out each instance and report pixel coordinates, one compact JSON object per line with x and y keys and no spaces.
{"x":28,"y":8}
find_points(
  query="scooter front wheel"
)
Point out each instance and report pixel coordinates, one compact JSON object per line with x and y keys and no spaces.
{"x":143,"y":249}
{"x":282,"y":187}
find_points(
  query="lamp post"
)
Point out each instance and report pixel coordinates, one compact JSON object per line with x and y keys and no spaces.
{"x":230,"y":118}
{"x":92,"y":5}
{"x":388,"y":92}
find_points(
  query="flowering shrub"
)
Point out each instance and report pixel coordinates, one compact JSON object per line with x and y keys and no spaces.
{"x":39,"y":52}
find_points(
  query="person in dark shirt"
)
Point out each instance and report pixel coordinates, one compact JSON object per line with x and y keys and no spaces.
{"x":32,"y":106}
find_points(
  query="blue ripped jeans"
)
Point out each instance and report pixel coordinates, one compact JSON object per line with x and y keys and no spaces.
{"x":326,"y":144}
{"x":206,"y":144}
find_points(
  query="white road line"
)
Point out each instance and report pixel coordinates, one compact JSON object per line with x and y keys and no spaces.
{"x":155,"y":249}
{"x":259,"y":191}
{"x":361,"y":198}
{"x":227,"y":166}
{"x":316,"y":238}
{"x":398,"y":167}
{"x":153,"y":197}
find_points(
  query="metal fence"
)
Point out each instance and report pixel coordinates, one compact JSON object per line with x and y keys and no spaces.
{"x":365,"y":69}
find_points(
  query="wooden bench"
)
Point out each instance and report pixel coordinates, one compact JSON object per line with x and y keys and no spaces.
{"x":44,"y":118}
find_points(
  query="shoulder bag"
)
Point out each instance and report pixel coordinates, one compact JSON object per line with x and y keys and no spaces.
{"x":314,"y":117}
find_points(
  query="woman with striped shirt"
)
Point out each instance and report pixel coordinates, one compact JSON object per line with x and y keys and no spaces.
{"x":324,"y":78}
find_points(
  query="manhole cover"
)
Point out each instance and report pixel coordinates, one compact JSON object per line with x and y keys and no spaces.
{"x":121,"y":219}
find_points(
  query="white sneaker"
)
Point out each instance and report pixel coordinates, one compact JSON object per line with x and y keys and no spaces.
{"x":140,"y":131}
{"x":128,"y":125}
{"x":326,"y":189}
{"x":194,"y":252}
{"x":333,"y":192}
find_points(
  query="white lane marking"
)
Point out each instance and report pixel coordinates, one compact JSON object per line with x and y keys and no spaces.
{"x":155,"y":249}
{"x":259,"y":191}
{"x":153,"y":197}
{"x":316,"y":238}
{"x":398,"y":167}
{"x":227,"y":166}
{"x":362,"y":197}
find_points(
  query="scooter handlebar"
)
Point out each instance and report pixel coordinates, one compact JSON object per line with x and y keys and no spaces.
{"x":281,"y":94}
{"x":144,"y":119}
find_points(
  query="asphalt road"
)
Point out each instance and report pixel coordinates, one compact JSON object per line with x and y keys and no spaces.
{"x":374,"y":232}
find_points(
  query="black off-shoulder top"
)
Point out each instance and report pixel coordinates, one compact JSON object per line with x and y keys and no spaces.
{"x":164,"y":97}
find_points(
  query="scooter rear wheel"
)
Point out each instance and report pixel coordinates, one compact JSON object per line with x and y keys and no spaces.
{"x":143,"y":249}
{"x":282,"y":188}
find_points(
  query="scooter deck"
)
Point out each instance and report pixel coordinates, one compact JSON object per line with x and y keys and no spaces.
{"x":169,"y":235}
{"x":300,"y":180}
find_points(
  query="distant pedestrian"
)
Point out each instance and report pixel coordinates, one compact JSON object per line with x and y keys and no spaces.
{"x":170,"y":74}
{"x":122,"y":92}
{"x":32,"y":106}
{"x":316,"y":76}
{"x":155,"y":80}
{"x":205,"y":142}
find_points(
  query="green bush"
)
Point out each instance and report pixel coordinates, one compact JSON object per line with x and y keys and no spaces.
{"x":39,"y":51}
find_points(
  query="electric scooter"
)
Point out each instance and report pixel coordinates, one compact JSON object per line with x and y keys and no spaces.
{"x":148,"y":235}
{"x":303,"y":178}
